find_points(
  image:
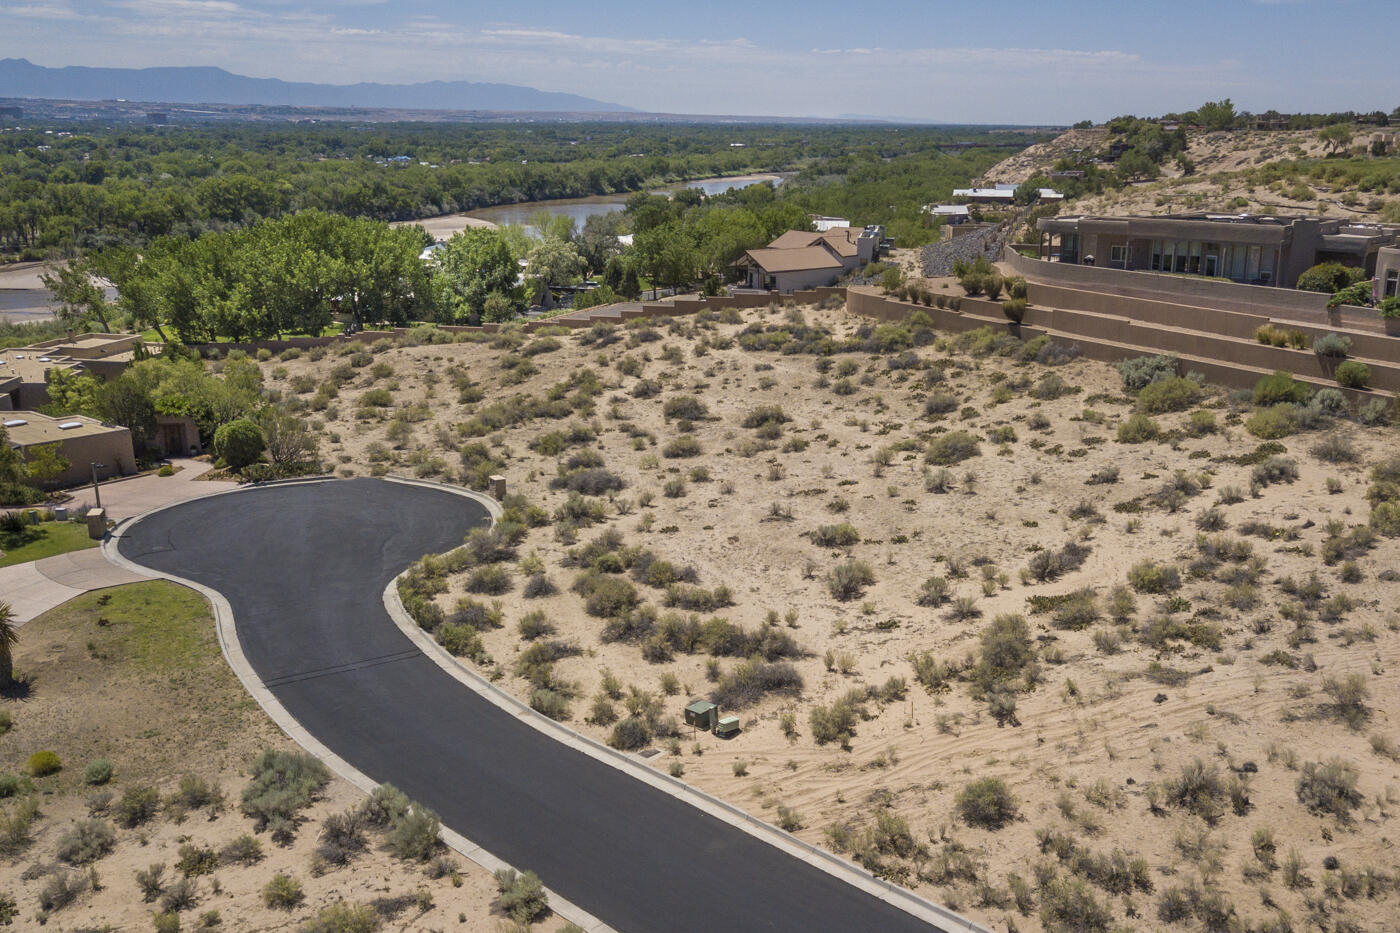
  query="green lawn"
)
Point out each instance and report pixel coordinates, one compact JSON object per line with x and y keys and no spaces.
{"x":44,"y":540}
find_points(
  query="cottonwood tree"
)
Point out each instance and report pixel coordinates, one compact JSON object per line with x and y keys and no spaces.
{"x":472,"y":265}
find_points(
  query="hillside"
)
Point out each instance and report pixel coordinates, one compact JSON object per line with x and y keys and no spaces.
{"x":910,"y":563}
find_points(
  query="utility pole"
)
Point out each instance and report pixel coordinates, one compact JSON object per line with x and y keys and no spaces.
{"x":97,"y":493}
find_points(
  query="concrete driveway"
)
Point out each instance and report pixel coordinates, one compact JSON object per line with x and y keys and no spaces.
{"x":126,"y":498}
{"x":304,"y":567}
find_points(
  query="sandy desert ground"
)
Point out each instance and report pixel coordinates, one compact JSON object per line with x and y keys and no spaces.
{"x":1174,"y":657}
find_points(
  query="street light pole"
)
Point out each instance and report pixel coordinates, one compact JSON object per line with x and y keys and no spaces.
{"x":97,"y":494}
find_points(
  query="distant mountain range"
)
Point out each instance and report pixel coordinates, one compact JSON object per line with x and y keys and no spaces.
{"x":192,"y":85}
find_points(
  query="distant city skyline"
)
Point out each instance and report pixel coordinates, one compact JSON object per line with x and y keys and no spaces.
{"x":1001,"y":61}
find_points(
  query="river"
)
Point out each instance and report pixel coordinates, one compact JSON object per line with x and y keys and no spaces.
{"x":580,"y":209}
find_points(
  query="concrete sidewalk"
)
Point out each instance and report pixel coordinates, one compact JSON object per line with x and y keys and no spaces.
{"x":130,"y":497}
{"x":38,"y":586}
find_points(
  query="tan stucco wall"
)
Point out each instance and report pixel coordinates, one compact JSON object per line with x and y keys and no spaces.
{"x":112,"y":448}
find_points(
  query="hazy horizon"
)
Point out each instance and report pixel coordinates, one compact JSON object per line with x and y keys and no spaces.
{"x":1006,"y":62}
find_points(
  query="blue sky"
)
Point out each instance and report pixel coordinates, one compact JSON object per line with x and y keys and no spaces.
{"x":1014,"y":61}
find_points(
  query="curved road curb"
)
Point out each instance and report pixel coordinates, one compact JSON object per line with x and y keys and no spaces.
{"x":894,"y":895}
{"x":233,"y":654}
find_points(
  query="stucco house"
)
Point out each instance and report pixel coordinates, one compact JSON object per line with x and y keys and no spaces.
{"x":82,"y":441}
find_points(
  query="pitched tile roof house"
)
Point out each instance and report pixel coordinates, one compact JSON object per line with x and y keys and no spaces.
{"x":801,"y":259}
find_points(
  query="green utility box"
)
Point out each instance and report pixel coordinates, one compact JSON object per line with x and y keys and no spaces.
{"x":702,"y":714}
{"x":727,"y":726}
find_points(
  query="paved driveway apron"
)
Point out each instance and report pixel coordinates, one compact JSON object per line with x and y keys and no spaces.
{"x":304,"y":568}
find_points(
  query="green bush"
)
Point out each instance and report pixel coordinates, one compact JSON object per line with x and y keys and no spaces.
{"x":987,"y":803}
{"x":837,"y":722}
{"x":283,"y":784}
{"x":1280,"y":387}
{"x":835,"y":536}
{"x":686,"y":408}
{"x":414,"y":835}
{"x":551,"y":703}
{"x":630,"y":734}
{"x":239,"y":443}
{"x":752,"y":680}
{"x":283,"y":892}
{"x":1148,"y":576}
{"x":44,"y":763}
{"x":521,"y":896}
{"x":953,"y":447}
{"x":1138,"y":429}
{"x":1332,"y":346}
{"x":1327,"y":277}
{"x":1171,"y":394}
{"x":386,"y":806}
{"x":685,"y":445}
{"x":1006,"y":651}
{"x":341,"y":917}
{"x":1014,"y":309}
{"x":136,"y":806}
{"x":1353,"y":375}
{"x":1273,"y":422}
{"x":461,"y":641}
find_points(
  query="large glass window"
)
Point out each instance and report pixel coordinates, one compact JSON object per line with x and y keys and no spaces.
{"x":1266,"y":264}
{"x":1195,"y":267}
{"x":1182,"y":254}
{"x":1392,"y":282}
{"x":1156,"y":255}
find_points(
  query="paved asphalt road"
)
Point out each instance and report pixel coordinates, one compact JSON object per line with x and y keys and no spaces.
{"x":304,"y":568}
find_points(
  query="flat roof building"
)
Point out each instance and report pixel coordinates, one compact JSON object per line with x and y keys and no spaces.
{"x":24,"y":371}
{"x":81,"y":440}
{"x":1247,"y":248}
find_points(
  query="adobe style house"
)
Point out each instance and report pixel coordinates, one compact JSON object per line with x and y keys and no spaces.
{"x":24,"y":371}
{"x":799,"y":259}
{"x":1246,"y":248}
{"x":82,"y":441}
{"x":1388,"y":272}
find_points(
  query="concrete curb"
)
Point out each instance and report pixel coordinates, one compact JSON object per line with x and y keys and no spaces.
{"x":233,"y":654}
{"x":892,"y":894}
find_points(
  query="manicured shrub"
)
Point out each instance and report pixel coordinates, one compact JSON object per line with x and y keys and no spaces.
{"x":987,"y":803}
{"x":1327,"y":277}
{"x":1332,"y":346}
{"x":1014,"y":309}
{"x":1353,"y":375}
{"x":1171,"y":394}
{"x":44,"y":763}
{"x":239,"y":443}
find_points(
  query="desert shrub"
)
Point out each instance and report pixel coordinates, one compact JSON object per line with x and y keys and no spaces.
{"x":342,"y":837}
{"x":98,"y":771}
{"x":1353,"y":374}
{"x":987,"y":803}
{"x":1335,"y":448}
{"x":245,"y":850}
{"x":341,"y":917}
{"x":551,"y":703}
{"x":414,"y":835}
{"x":491,"y":579}
{"x":940,"y":403}
{"x":1049,"y":564}
{"x":461,"y":641}
{"x":1170,"y":394}
{"x":605,"y":595}
{"x":1067,"y":905}
{"x":181,"y":894}
{"x":933,"y":592}
{"x":283,"y":783}
{"x":1014,"y":309}
{"x":1148,"y":576}
{"x":1005,"y":651}
{"x":1329,"y":788}
{"x":765,"y":415}
{"x":1138,"y":429}
{"x":630,"y":734}
{"x":63,"y":888}
{"x":86,"y":842}
{"x":283,"y":892}
{"x":685,"y":445}
{"x":1275,"y":469}
{"x":1142,"y":371}
{"x":386,"y":806}
{"x":953,"y":447}
{"x":685,"y":408}
{"x":1273,"y":422}
{"x":196,"y":860}
{"x":849,"y":579}
{"x":836,"y":536}
{"x":239,"y":443}
{"x":44,"y":763}
{"x":521,"y":896}
{"x":1049,"y":387}
{"x":1280,"y":387}
{"x":1349,"y":694}
{"x":587,"y":481}
{"x":1198,"y":789}
{"x":837,"y":722}
{"x":151,"y":881}
{"x":137,"y":805}
{"x":752,"y":680}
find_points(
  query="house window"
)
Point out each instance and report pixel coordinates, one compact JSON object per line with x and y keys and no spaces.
{"x":1118,"y":255}
{"x":1156,"y":255}
{"x":1392,"y":282}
